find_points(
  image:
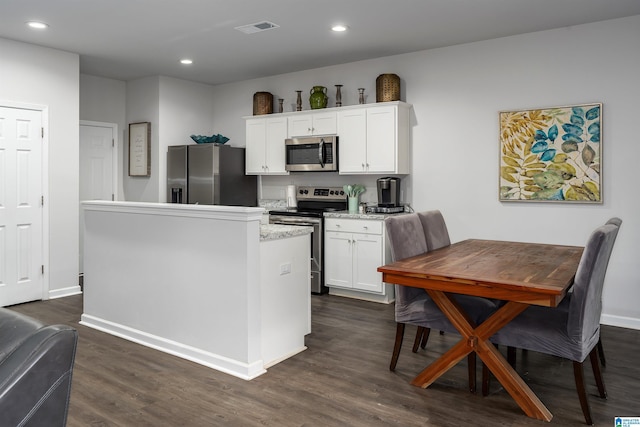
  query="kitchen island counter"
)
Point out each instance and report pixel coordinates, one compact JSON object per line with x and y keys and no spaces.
{"x":207,"y":283}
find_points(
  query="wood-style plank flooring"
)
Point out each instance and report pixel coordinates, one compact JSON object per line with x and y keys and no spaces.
{"x":342,"y":379}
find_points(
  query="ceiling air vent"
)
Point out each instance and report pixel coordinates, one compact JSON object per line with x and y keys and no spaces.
{"x":257,"y":27}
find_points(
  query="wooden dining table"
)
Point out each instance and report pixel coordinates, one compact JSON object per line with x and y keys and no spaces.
{"x":521,"y":274}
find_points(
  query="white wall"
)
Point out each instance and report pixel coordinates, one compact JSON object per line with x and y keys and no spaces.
{"x":186,"y":109}
{"x":176,"y":109}
{"x":143,"y":96}
{"x":104,"y":100}
{"x":457,"y":93}
{"x":36,"y":75}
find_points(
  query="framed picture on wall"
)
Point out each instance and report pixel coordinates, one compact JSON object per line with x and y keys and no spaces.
{"x":140,"y":149}
{"x":551,"y":154}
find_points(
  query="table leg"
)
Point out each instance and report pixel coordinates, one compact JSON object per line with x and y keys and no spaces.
{"x":477,"y":339}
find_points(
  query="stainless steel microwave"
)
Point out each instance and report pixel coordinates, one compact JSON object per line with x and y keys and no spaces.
{"x":312,"y":153}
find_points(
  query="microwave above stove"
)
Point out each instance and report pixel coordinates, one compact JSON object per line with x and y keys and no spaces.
{"x":313,"y":153}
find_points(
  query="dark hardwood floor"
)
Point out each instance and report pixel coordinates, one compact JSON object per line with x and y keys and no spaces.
{"x":342,"y":379}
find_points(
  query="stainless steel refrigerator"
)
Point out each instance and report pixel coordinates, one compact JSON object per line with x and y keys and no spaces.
{"x":209,"y":174}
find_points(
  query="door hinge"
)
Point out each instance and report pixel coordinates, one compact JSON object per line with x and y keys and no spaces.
{"x":113,"y":142}
{"x":42,"y":132}
{"x":42,"y":269}
{"x":42,"y":200}
{"x":113,"y":197}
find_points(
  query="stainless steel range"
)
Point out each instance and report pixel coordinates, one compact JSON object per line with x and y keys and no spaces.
{"x":311,"y":205}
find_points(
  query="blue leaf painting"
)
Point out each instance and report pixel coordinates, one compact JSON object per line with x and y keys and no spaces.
{"x":548,"y":155}
{"x":540,"y":135}
{"x":593,"y":113}
{"x":539,"y":147}
{"x":571,"y":137}
{"x":553,"y":132}
{"x":578,"y":111}
{"x":557,"y":196}
{"x":570,"y":128}
{"x":577,"y":120}
{"x":595,"y":138}
{"x":594,"y":128}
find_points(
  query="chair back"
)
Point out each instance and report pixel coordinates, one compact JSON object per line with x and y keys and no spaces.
{"x":435,"y":229}
{"x":406,"y":239}
{"x":586,"y":301}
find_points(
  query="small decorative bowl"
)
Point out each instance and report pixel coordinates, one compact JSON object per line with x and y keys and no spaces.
{"x":213,"y":139}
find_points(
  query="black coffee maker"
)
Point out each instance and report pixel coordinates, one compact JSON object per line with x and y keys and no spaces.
{"x":388,"y":192}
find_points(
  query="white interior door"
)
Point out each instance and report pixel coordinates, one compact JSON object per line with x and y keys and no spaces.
{"x":97,"y":166}
{"x":21,"y":211}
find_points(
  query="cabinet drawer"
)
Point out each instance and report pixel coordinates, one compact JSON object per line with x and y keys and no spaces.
{"x":354,"y":225}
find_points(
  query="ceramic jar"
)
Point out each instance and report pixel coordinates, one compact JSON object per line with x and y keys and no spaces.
{"x":318,"y":98}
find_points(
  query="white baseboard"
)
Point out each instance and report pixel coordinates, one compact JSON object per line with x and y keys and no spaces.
{"x":341,"y":292}
{"x":224,"y":364}
{"x":64,"y":292}
{"x":621,"y":321}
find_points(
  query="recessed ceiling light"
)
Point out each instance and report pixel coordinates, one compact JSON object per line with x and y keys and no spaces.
{"x":339,"y":28}
{"x":37,"y":25}
{"x":186,"y":61}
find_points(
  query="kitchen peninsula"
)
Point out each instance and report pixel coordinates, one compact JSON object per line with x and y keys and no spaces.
{"x":207,"y":283}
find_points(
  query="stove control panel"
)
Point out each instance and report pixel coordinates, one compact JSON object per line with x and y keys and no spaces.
{"x":321,"y":193}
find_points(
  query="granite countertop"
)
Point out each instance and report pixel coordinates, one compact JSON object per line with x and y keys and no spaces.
{"x":275,"y":204}
{"x":278,"y":231}
{"x":347,"y":215}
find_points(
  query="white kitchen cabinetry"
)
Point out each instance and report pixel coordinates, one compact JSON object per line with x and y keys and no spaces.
{"x":354,"y":249}
{"x":319,"y":123}
{"x":374,"y":139}
{"x":265,"y":153}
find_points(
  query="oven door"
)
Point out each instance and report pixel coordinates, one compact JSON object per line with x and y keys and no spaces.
{"x":312,"y":154}
{"x":317,"y":279}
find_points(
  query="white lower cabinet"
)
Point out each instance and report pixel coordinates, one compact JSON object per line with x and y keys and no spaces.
{"x":354,"y":249}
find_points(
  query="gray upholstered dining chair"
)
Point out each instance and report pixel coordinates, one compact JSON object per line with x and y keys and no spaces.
{"x":617,"y":222}
{"x":571,"y":330}
{"x":413,"y":305}
{"x":437,"y":236}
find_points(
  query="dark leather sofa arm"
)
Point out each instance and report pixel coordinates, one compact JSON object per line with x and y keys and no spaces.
{"x":36,"y":365}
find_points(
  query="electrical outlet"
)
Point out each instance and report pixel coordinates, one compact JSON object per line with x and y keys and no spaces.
{"x":285,"y":268}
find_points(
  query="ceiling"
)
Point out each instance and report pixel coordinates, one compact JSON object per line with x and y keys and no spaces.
{"x":130,"y":39}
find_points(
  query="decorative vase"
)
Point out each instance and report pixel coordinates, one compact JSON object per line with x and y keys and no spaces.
{"x":387,"y":88}
{"x":280,"y":107}
{"x":338,"y":96}
{"x":299,"y":100}
{"x":262,"y":103}
{"x":318,"y":98}
{"x":361,"y":95}
{"x":353,"y":205}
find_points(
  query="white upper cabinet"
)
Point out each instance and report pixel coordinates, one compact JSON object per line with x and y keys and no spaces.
{"x":374,"y":139}
{"x":265,"y":154}
{"x":316,"y":123}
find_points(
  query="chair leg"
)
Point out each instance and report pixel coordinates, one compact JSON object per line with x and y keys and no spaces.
{"x":471,"y":362}
{"x":511,"y":356}
{"x":425,"y":338}
{"x":422,"y":335}
{"x":601,"y":352}
{"x":486,"y":378}
{"x":397,"y":346}
{"x":578,"y":373}
{"x":595,"y":365}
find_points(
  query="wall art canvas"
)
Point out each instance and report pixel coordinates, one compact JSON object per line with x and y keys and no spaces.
{"x":551,"y":154}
